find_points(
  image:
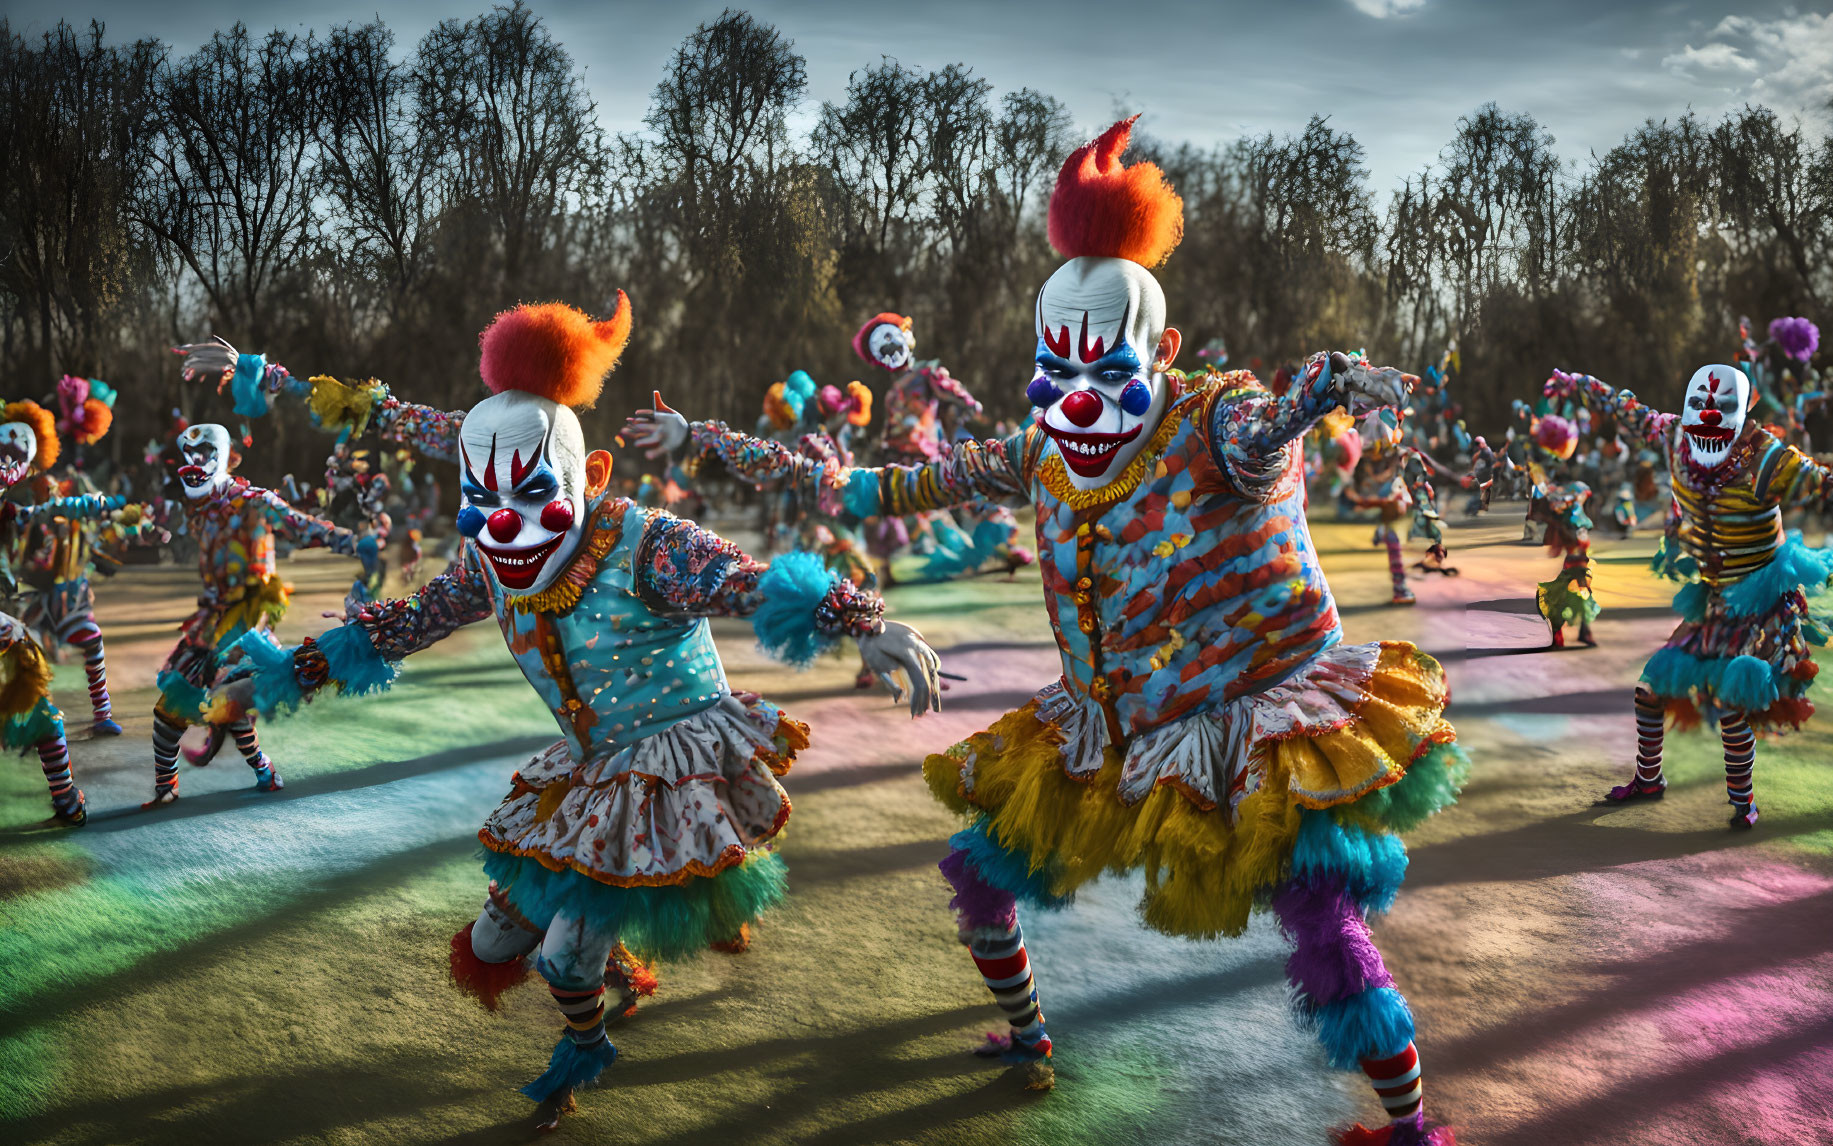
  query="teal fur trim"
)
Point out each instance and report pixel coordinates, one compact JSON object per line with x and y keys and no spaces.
{"x":1377,"y":1023}
{"x":1372,"y":866}
{"x":862,"y":496}
{"x":1691,"y":601}
{"x":785,"y":623}
{"x":571,"y":1066}
{"x":34,"y":726}
{"x":1430,"y":785}
{"x":665,"y":922}
{"x":967,"y":553}
{"x":1747,"y":684}
{"x":276,"y":683}
{"x":180,"y":697}
{"x":1795,"y":566}
{"x":1009,"y":871}
{"x":245,"y":386}
{"x":353,"y":661}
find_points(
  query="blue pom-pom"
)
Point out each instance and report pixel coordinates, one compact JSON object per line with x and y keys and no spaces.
{"x":1373,"y":1024}
{"x":862,"y":496}
{"x":1748,"y":685}
{"x":353,"y":661}
{"x":1007,"y":870}
{"x":276,"y":682}
{"x":245,"y":385}
{"x":571,"y":1066}
{"x":785,"y":623}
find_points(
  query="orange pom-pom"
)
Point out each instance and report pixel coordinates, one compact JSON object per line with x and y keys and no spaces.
{"x":776,"y":407}
{"x":1101,"y":207}
{"x":861,"y":413}
{"x":97,"y":418}
{"x":44,"y":428}
{"x":553,"y":350}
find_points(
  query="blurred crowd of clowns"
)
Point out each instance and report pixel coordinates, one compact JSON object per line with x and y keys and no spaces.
{"x":1209,"y":728}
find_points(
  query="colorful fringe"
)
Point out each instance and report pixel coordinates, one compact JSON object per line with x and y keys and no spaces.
{"x":1204,"y":875}
{"x":1565,"y":601}
{"x":663,"y":922}
{"x":350,"y":656}
{"x":984,"y":545}
{"x":25,"y":700}
{"x":571,"y":1066}
{"x":792,"y":587}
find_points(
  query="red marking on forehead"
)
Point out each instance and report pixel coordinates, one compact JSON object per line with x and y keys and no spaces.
{"x":1088,"y":353}
{"x":518,"y":471}
{"x":490,"y":466}
{"x":1712,"y":378}
{"x":1057,"y":344}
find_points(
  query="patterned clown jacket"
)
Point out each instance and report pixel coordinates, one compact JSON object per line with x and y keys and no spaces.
{"x":1200,"y":646}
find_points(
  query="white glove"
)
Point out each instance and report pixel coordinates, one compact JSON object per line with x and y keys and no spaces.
{"x":898,"y":648}
{"x":657,"y":432}
{"x":207,"y":360}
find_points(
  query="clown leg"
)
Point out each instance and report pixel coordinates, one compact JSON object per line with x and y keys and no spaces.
{"x":67,"y":801}
{"x":166,"y":735}
{"x":1740,"y":758}
{"x":248,"y":743}
{"x":88,"y":640}
{"x":1649,"y":783}
{"x":1341,"y":984}
{"x":1396,"y":566}
{"x":574,"y":952}
{"x":987,"y":923}
{"x":488,"y":955}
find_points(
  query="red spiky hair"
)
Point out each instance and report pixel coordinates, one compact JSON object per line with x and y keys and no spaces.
{"x":44,"y":428}
{"x":1104,"y":208}
{"x":553,"y":350}
{"x":883,"y":318}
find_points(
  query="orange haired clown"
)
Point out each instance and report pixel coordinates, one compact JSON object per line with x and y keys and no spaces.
{"x":650,"y":825}
{"x":1210,"y":727}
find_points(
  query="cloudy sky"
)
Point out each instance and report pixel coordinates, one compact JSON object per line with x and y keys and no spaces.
{"x":1397,"y":73}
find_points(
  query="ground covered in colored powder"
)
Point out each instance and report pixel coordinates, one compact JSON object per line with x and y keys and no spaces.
{"x":246,"y":967}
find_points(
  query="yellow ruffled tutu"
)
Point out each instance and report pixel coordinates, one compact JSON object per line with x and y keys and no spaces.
{"x":1342,"y":735}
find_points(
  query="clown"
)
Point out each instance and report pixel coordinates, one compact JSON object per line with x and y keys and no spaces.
{"x":652,"y":822}
{"x":1210,"y":727}
{"x":1741,"y":657}
{"x":1566,"y":599}
{"x":1481,"y":480}
{"x":234,"y":525}
{"x":1392,"y":479}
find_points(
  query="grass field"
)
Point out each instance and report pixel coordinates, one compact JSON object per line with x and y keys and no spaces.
{"x":271,"y":968}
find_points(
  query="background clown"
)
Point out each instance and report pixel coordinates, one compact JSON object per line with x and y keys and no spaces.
{"x":1209,"y":727}
{"x":651,"y":822}
{"x":1741,"y":657}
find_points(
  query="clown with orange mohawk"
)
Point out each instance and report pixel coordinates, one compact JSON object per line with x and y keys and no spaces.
{"x":29,"y":447}
{"x":651,"y":822}
{"x":1210,"y":727}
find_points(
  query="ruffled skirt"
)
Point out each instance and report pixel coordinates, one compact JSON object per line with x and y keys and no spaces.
{"x":666,"y":839}
{"x":1210,"y":807}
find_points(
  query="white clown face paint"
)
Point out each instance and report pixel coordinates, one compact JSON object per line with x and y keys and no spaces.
{"x":892,"y":346}
{"x":18,"y":449}
{"x":203,"y":453}
{"x":1718,"y":398}
{"x":523,"y":487}
{"x":1099,"y":323}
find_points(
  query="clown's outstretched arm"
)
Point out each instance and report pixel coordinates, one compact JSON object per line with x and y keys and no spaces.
{"x":84,"y":507}
{"x":1425,"y":499}
{"x":996,"y":469}
{"x":1795,"y":480}
{"x":302,"y":529}
{"x":948,"y":389}
{"x":362,"y":654}
{"x":1651,"y":425}
{"x":1249,"y":435}
{"x":797,"y":606}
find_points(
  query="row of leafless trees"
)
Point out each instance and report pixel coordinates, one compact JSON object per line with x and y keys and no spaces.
{"x":353,"y":208}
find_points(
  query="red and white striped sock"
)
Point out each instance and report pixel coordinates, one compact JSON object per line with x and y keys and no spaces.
{"x":95,"y":667}
{"x":1649,"y":733}
{"x":1397,"y":1081}
{"x":1006,"y":968}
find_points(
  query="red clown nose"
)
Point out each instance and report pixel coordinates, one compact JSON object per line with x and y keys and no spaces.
{"x":504,"y":525}
{"x":1082,"y":407}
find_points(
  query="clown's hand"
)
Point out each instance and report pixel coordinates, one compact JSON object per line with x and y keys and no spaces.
{"x":899,"y":649}
{"x":658,"y":432}
{"x":207,"y":360}
{"x":1366,"y":387}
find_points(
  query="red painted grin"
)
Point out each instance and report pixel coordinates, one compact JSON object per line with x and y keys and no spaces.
{"x":1089,"y":455}
{"x":192,"y":476}
{"x":520,"y":568}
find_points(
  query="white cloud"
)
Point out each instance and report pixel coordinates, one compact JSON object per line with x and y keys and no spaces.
{"x":1382,"y":9}
{"x":1786,"y":63}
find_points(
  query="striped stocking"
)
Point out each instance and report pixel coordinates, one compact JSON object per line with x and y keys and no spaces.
{"x":1740,"y":758}
{"x":249,"y":745}
{"x":166,"y":734}
{"x":95,"y":667}
{"x":1397,"y":1082}
{"x":1396,"y":564}
{"x":1006,"y":968}
{"x":584,"y":1012}
{"x":1649,"y":781}
{"x":66,"y":800}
